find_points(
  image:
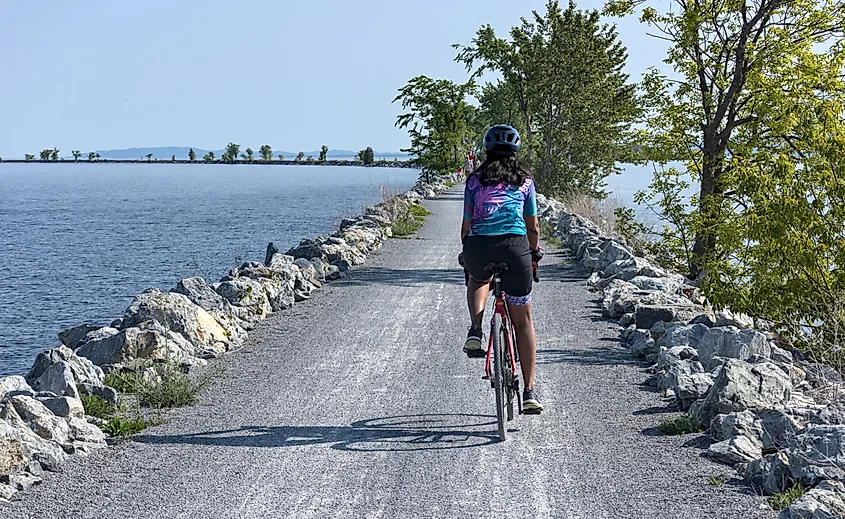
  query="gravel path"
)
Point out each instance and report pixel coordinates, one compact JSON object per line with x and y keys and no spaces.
{"x":359,"y":403}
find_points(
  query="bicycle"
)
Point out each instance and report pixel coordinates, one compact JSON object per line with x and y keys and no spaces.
{"x":502,"y":353}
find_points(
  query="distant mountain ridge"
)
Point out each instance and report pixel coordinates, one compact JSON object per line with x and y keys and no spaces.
{"x":181,"y":152}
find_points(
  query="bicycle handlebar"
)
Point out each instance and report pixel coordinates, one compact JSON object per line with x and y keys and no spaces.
{"x":534,"y":271}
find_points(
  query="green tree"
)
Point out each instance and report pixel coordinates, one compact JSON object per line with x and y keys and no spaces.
{"x":575,"y":108}
{"x":27,"y":157}
{"x":266,"y":152}
{"x":54,"y":154}
{"x":192,"y":156}
{"x":249,"y":154}
{"x":299,"y":157}
{"x":91,"y":156}
{"x":437,"y":122}
{"x":45,"y":154}
{"x":76,"y":155}
{"x":310,"y":158}
{"x":324,"y":151}
{"x":736,"y":65}
{"x":755,"y":111}
{"x":367,"y":156}
{"x":173,"y":158}
{"x":281,"y":157}
{"x":231,"y":153}
{"x":149,"y":157}
{"x":208,"y":157}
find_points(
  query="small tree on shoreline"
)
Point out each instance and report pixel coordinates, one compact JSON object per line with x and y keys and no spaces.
{"x":367,"y":156}
{"x":324,"y":152}
{"x":299,"y":156}
{"x":28,"y":157}
{"x":192,"y":156}
{"x":149,"y":157}
{"x":76,"y":155}
{"x":266,"y":152}
{"x":281,"y":157}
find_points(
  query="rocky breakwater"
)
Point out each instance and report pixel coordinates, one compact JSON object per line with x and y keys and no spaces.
{"x":42,"y":416}
{"x":773,"y":414}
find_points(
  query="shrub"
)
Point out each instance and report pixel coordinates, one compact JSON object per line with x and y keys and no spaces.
{"x":124,"y":427}
{"x":781,"y":500}
{"x":680,"y":425}
{"x":98,"y":407}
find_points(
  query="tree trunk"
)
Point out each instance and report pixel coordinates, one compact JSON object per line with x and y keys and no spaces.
{"x":708,"y":205}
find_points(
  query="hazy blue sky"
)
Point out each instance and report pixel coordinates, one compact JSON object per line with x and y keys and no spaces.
{"x":100,"y":74}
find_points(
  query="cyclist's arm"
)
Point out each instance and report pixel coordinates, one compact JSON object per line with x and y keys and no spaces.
{"x":532,"y":224}
{"x":529,"y":214}
{"x":469,"y":209}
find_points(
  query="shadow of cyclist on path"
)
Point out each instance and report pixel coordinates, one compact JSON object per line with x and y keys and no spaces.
{"x":394,"y":433}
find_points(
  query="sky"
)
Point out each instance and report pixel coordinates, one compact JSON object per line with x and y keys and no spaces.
{"x":101,"y":74}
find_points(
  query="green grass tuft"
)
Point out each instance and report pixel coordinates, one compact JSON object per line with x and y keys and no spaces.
{"x":125,"y":381}
{"x":174,"y":388}
{"x":124,"y":427}
{"x":717,"y":481}
{"x":681,"y":425}
{"x":779,"y":500}
{"x":98,"y":407}
{"x":418,"y":211}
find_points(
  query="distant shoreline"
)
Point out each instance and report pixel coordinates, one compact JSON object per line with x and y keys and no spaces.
{"x":377,"y":163}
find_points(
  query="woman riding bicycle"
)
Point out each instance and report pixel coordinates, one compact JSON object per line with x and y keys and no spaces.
{"x":500,"y":225}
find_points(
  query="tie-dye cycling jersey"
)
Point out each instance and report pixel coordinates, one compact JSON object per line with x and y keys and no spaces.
{"x":498,"y":209}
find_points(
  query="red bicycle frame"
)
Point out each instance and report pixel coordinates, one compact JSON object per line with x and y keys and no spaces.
{"x":500,"y":309}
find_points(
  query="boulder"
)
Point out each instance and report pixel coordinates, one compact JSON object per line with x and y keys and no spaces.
{"x":729,"y":342}
{"x":7,"y":493}
{"x":670,"y":284}
{"x":769,"y":474}
{"x":641,"y":344}
{"x":613,"y":252}
{"x":248,"y":294}
{"x":739,"y":449}
{"x":726,"y":426}
{"x":71,"y":336}
{"x":41,"y":420}
{"x":64,"y":406}
{"x":674,"y":362}
{"x":12,"y":455}
{"x":58,"y":379}
{"x":308,"y":272}
{"x":20,"y":481}
{"x":13,"y":383}
{"x":101,"y":333}
{"x":230,"y":317}
{"x":177,"y":313}
{"x":779,"y":429}
{"x":818,"y":454}
{"x":647,"y":314}
{"x":279,"y":291}
{"x":308,"y":249}
{"x":271,"y":251}
{"x":705,"y":318}
{"x":740,"y":386}
{"x":658,"y":329}
{"x":682,"y":335}
{"x":832,"y":414}
{"x":620,"y":298}
{"x":82,"y":431}
{"x":149,"y":340}
{"x":727,"y":318}
{"x":83,"y":370}
{"x":690,"y":387}
{"x":825,"y":501}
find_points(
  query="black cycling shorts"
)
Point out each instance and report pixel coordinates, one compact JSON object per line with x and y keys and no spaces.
{"x":507,"y":248}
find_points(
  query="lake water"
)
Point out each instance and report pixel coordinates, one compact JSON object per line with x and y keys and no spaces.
{"x":78,"y":241}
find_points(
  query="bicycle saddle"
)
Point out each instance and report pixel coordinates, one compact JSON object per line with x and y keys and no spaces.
{"x":496,"y":267}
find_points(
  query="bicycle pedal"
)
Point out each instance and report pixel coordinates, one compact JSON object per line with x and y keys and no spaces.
{"x":531,"y":411}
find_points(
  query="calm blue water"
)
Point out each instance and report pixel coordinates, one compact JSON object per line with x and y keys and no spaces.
{"x":77,"y":242}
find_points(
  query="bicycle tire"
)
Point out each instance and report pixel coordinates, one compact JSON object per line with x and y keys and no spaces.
{"x":498,"y":378}
{"x":507,"y":374}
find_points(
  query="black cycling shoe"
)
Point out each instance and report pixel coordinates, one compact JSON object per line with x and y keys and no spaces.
{"x":530,"y":403}
{"x":473,"y":346}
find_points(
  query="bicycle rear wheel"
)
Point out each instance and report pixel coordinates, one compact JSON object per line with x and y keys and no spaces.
{"x":498,"y":376}
{"x":507,"y":374}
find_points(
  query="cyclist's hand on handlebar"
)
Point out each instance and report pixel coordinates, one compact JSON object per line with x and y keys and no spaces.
{"x":537,"y":255}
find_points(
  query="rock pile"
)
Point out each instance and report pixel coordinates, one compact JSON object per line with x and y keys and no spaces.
{"x":773,"y":414}
{"x":42,"y":418}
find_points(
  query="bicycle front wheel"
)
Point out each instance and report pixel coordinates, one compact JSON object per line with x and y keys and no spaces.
{"x":498,"y":376}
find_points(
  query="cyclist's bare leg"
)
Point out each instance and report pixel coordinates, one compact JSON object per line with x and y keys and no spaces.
{"x":477,"y":293}
{"x":526,"y":341}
